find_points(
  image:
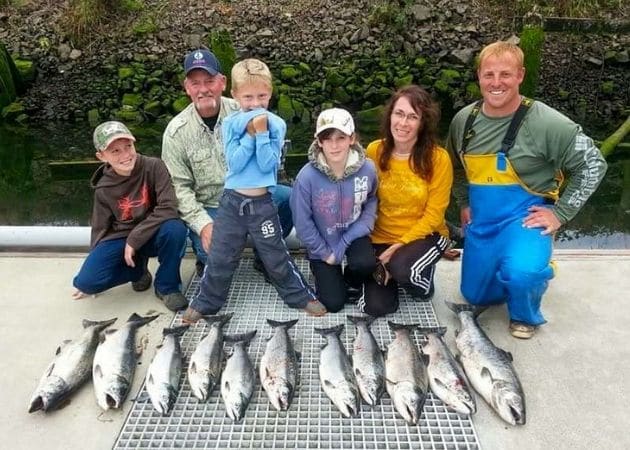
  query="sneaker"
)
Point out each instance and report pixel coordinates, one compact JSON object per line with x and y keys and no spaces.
{"x":260,"y":268}
{"x":315,"y":308}
{"x":191,"y":316}
{"x":173,"y":301}
{"x":522,"y":330}
{"x":145,"y":280}
{"x":199,"y":266}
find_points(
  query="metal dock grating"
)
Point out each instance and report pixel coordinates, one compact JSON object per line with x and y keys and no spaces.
{"x":312,"y":422}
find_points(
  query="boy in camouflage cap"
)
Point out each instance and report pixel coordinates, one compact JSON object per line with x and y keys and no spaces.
{"x":134,"y":217}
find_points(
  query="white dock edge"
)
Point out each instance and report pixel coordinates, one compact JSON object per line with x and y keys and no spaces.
{"x":60,"y":237}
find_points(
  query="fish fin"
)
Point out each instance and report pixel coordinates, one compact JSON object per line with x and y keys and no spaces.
{"x":328,"y":384}
{"x":98,"y":371}
{"x":193,"y":367}
{"x":505,"y":353}
{"x":139,"y":321}
{"x":227,"y":385}
{"x":109,"y":331}
{"x":50,"y":369}
{"x":142,"y":397}
{"x":485,"y":373}
{"x":439,"y":383}
{"x":150,"y":379}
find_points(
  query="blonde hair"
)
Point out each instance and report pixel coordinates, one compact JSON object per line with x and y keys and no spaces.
{"x":500,"y":48}
{"x":250,"y":71}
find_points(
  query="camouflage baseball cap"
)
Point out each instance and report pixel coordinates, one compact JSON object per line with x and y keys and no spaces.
{"x":108,"y":132}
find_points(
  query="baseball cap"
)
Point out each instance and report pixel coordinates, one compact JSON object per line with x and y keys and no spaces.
{"x":108,"y":132}
{"x":202,"y":59}
{"x":337,"y":118}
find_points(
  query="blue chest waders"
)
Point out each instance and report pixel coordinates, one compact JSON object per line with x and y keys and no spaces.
{"x":503,"y":261}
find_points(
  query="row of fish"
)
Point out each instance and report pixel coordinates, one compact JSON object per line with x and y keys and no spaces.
{"x":108,"y":355}
{"x":407,"y":373}
{"x":403,"y":371}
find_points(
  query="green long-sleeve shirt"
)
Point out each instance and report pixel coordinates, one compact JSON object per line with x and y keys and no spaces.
{"x":547,"y":143}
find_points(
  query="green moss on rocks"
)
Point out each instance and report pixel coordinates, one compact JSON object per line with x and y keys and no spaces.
{"x":607,"y":87}
{"x":126,"y":72}
{"x":531,"y":42}
{"x":94,"y":117}
{"x":180,"y":104}
{"x":472,"y":91}
{"x":133,"y":100}
{"x":289,"y":73}
{"x":26,"y":69}
{"x":12,"y":111}
{"x":153,"y":108}
{"x":223,"y":48}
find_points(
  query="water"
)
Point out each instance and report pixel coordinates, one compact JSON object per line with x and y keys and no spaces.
{"x":34,"y":192}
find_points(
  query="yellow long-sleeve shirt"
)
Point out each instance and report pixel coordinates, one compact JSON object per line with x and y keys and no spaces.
{"x":409,"y":207}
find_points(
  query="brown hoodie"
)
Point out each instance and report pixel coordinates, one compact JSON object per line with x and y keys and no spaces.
{"x":133,"y":206}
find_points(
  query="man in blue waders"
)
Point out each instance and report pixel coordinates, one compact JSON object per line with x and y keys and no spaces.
{"x":515,"y":152}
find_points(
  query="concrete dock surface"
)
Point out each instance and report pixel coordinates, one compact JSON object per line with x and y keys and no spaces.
{"x":575,"y":370}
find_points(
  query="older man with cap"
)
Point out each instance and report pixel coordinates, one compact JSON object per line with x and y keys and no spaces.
{"x":192,"y":149}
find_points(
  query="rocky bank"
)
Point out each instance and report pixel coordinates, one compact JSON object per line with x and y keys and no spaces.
{"x":322,"y":52}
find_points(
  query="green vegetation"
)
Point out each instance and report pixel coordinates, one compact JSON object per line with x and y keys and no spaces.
{"x":392,"y":13}
{"x":532,"y":40}
{"x":223,"y":48}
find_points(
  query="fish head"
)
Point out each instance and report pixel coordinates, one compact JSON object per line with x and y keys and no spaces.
{"x":371,"y":389}
{"x":347,"y":400}
{"x":50,"y":395}
{"x":163,"y":401}
{"x":455,"y":394}
{"x":235,"y":406}
{"x":409,"y":401}
{"x":113,"y":394}
{"x":509,"y":402}
{"x":280,"y":393}
{"x":201,"y":390}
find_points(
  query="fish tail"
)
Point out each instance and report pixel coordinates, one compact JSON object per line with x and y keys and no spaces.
{"x":288,"y":324}
{"x":401,"y":326}
{"x":440,"y":331}
{"x":337,"y":329}
{"x":223,"y":319}
{"x":100,"y":325}
{"x":361,"y":319}
{"x":139,"y":321}
{"x":244,"y":337}
{"x":177,"y":331}
{"x":461,"y":307}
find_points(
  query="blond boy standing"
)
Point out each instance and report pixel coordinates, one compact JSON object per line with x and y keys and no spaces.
{"x":253,"y":139}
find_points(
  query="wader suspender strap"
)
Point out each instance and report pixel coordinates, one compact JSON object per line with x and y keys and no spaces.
{"x":510,"y":136}
{"x":515,"y":124}
{"x":468,"y":131}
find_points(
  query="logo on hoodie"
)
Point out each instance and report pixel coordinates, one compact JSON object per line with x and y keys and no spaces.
{"x":126,"y":204}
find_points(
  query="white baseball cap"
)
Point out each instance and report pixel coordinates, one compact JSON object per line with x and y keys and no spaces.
{"x":337,"y":118}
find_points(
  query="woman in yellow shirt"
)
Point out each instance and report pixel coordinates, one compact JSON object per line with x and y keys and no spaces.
{"x":415,"y":179}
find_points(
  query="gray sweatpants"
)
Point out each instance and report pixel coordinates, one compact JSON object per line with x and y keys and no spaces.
{"x":239,"y":216}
